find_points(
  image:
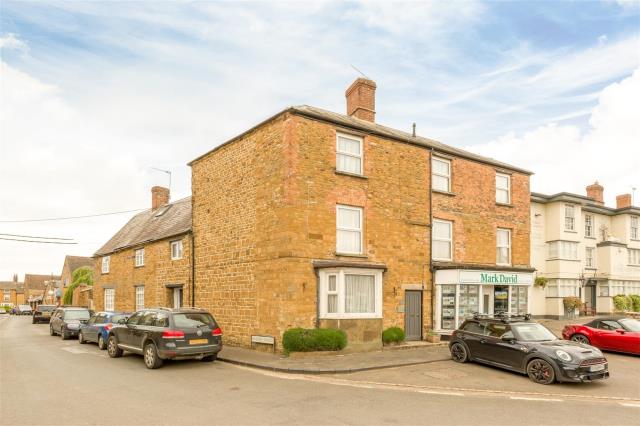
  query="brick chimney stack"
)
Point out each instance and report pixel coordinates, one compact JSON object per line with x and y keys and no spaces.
{"x":623,"y":201}
{"x":159,"y":197}
{"x":596,"y":191}
{"x":361,"y":99}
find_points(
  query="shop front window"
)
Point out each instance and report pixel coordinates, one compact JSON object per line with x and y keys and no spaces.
{"x":519,"y":300}
{"x":448,"y":317}
{"x":469,"y":302}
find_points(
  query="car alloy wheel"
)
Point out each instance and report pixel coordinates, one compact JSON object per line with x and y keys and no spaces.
{"x":151,"y":359}
{"x":581,"y":338}
{"x":101,"y":344}
{"x":459,"y":353}
{"x":540,"y":371}
{"x":80,"y":338}
{"x":112,"y":348}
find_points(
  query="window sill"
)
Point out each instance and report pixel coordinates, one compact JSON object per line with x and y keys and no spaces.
{"x":139,"y":266}
{"x":564,"y":260}
{"x":635,"y":266}
{"x":438,"y":191}
{"x":570,"y":231}
{"x":177,"y":258}
{"x":105,"y":273}
{"x":350,"y":317}
{"x":442,"y":260}
{"x":504,"y":204}
{"x":591,"y":238}
{"x":338,"y":172}
{"x":361,"y":256}
{"x":590,"y":268}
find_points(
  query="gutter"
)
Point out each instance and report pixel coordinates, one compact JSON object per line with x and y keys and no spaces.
{"x":193,"y":271}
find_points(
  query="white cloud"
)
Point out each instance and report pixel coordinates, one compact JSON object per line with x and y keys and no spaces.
{"x":11,"y":41}
{"x":566,"y":159}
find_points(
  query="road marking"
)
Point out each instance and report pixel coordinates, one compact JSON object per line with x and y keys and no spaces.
{"x":441,"y":393}
{"x":625,"y":404}
{"x":74,"y":350}
{"x":524,"y":398}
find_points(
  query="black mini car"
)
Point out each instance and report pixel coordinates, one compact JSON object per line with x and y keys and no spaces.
{"x":524,"y":346}
{"x":163,"y":333}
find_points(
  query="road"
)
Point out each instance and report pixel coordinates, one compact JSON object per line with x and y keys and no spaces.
{"x":47,"y":381}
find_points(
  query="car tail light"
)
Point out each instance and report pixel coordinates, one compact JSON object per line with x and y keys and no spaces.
{"x":108,"y":327}
{"x":172,"y":334}
{"x":216,"y":331}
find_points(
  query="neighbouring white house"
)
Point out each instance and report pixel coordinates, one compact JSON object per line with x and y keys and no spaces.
{"x":584,"y":249}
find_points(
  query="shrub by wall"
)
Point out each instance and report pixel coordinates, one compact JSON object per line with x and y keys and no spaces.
{"x":635,"y":302}
{"x":622,"y":303}
{"x":315,"y":339}
{"x":393,"y":335}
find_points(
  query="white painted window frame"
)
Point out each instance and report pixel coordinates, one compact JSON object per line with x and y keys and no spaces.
{"x":590,"y":261}
{"x":179,"y":250}
{"x":106,"y":263}
{"x":507,"y":189}
{"x":348,"y":154}
{"x":633,"y":256}
{"x":508,"y":246}
{"x":109,"y":299}
{"x":569,"y":208}
{"x":360,"y":211}
{"x":139,"y":257}
{"x":340,"y":287}
{"x":588,"y":225}
{"x":139,"y":295}
{"x":634,"y":227}
{"x":450,"y":240}
{"x":446,"y":176}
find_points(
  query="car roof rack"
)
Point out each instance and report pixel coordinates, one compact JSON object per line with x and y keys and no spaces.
{"x":502,"y":316}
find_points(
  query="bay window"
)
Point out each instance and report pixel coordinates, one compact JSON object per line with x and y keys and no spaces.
{"x":567,"y":250}
{"x":350,"y":293}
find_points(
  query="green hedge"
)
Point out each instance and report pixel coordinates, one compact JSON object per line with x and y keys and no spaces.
{"x":393,"y":335}
{"x":622,"y":303}
{"x":315,"y":339}
{"x":635,"y":302}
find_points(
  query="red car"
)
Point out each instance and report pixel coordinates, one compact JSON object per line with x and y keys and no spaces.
{"x":611,"y":334}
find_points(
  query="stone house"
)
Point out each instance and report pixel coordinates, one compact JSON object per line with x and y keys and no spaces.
{"x":71,"y":263}
{"x":584,"y":249}
{"x":10,"y":291}
{"x":318,"y":219}
{"x":147,"y":263}
{"x":40,"y":289}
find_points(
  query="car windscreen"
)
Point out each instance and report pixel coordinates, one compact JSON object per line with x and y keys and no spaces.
{"x":77,"y":315}
{"x":630,"y":324}
{"x":24,"y":307}
{"x":115,"y":318}
{"x":192,"y":320}
{"x":46,"y":308}
{"x":533,"y":333}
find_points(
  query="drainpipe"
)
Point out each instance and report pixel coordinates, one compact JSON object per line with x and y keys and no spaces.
{"x":433,"y":281}
{"x":193,"y":271}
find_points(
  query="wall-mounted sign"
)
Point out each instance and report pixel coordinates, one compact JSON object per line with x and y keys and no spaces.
{"x":495,"y":277}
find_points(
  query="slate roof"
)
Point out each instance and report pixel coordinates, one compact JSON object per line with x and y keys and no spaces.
{"x":380,"y":130}
{"x":37,"y":282}
{"x":151,"y":225}
{"x":588,"y":203}
{"x":76,"y":262}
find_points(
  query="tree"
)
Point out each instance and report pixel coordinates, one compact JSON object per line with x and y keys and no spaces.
{"x":81,"y":275}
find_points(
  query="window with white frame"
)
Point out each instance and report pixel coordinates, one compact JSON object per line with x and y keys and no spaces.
{"x":590,"y":257}
{"x":350,"y":293}
{"x":349,"y":154}
{"x":635,"y":234}
{"x":139,"y":297}
{"x":348,"y":229}
{"x":634,"y":256}
{"x":588,"y":225}
{"x":561,"y":288}
{"x":567,"y":250}
{"x":139,"y":257}
{"x":109,"y":299}
{"x":503,"y":188}
{"x":569,"y":217}
{"x":176,"y":250}
{"x":441,"y":174}
{"x":442,"y":240}
{"x":503,"y":247}
{"x":105,"y":264}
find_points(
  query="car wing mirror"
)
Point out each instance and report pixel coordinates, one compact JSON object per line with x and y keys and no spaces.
{"x":509,"y":339}
{"x":620,"y":330}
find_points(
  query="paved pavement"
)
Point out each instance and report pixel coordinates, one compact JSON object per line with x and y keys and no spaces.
{"x":47,"y":381}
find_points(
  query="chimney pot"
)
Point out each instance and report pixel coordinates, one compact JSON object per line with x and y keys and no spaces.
{"x":623,"y":201}
{"x":596,"y":191}
{"x":361,"y":99}
{"x":159,"y":197}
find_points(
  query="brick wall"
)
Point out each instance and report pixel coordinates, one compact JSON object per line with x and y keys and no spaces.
{"x":158,"y":271}
{"x":476,"y":216}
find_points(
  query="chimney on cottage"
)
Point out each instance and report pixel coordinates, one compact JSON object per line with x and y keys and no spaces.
{"x":596,"y":191}
{"x":159,"y":197}
{"x":623,"y":201}
{"x":361,"y":99}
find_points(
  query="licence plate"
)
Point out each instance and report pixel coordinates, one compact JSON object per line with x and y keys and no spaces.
{"x":198,"y":341}
{"x":598,"y":367}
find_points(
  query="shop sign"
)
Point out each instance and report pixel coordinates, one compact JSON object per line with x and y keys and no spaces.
{"x":495,"y":277}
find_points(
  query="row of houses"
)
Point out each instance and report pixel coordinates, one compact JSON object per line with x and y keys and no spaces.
{"x":317,"y":219}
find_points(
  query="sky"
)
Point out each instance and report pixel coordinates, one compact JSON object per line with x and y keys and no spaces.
{"x":95,"y":95}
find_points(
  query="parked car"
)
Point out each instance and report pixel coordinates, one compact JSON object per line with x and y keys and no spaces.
{"x":524,"y":346}
{"x":67,"y":321}
{"x":98,"y":327}
{"x":43,"y":313}
{"x":165,"y":333}
{"x":23,"y":310}
{"x":611,"y":334}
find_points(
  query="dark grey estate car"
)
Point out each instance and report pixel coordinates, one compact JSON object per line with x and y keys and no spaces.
{"x":66,"y":321}
{"x":164,"y":333}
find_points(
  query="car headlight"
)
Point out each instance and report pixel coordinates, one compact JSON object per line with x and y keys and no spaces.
{"x":563,"y":355}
